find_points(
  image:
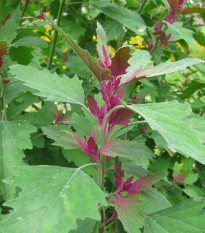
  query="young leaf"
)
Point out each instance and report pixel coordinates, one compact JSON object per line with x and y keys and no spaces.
{"x":173,"y":121}
{"x":62,"y":136}
{"x":14,"y":137}
{"x":184,"y":217}
{"x":51,"y":200}
{"x":133,"y":150}
{"x":103,"y":50}
{"x":128,"y":212}
{"x":50,"y":86}
{"x":119,"y":62}
{"x":99,"y":72}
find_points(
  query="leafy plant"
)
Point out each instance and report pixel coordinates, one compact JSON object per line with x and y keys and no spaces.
{"x":108,"y":144}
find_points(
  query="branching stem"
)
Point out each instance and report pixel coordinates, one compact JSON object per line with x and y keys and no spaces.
{"x":50,"y":59}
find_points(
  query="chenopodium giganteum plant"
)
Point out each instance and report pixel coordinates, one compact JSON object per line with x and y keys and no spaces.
{"x":58,"y":199}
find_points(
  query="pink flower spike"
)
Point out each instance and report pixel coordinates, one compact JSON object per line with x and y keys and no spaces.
{"x":120,"y":117}
{"x":95,"y":109}
{"x":58,"y":117}
{"x":81,"y":143}
{"x":65,"y":58}
{"x":42,"y":16}
{"x":150,"y":45}
{"x":137,"y":99}
{"x":104,"y":58}
{"x":118,"y":174}
{"x":158,"y":26}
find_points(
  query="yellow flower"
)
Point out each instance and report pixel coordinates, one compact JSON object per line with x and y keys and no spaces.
{"x":179,"y":46}
{"x":172,"y":58}
{"x":46,"y":38}
{"x":111,"y":50}
{"x":136,"y":40}
{"x":94,"y":38}
{"x":65,"y":50}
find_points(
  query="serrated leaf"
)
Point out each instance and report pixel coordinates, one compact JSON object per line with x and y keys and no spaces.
{"x":50,"y":86}
{"x":99,"y":72}
{"x":51,"y":200}
{"x":142,"y":67}
{"x":62,"y":136}
{"x":185,"y":217}
{"x":128,"y":18}
{"x":128,"y":212}
{"x":14,"y":137}
{"x":179,"y":32}
{"x":175,"y":123}
{"x":133,"y":150}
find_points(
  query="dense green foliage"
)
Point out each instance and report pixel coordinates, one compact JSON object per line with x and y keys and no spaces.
{"x":102,"y":106}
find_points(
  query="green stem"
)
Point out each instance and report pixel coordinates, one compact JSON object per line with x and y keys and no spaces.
{"x":27,"y":1}
{"x":50,"y":59}
{"x":142,"y":6}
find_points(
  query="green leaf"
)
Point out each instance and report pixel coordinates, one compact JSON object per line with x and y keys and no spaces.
{"x":99,"y":72}
{"x":80,"y":159}
{"x":128,"y":212}
{"x":62,"y":136}
{"x":8,"y":31}
{"x":51,"y":200}
{"x":142,"y":67}
{"x":195,"y":192}
{"x":22,"y":55}
{"x":43,"y":117}
{"x":133,"y":150}
{"x":14,"y":138}
{"x":179,"y":32}
{"x":113,"y":29}
{"x":155,"y":201}
{"x":201,"y":171}
{"x":78,"y":121}
{"x":185,"y":217}
{"x":174,"y":122}
{"x":50,"y":86}
{"x":84,"y":226}
{"x":128,"y":18}
{"x":31,"y":41}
